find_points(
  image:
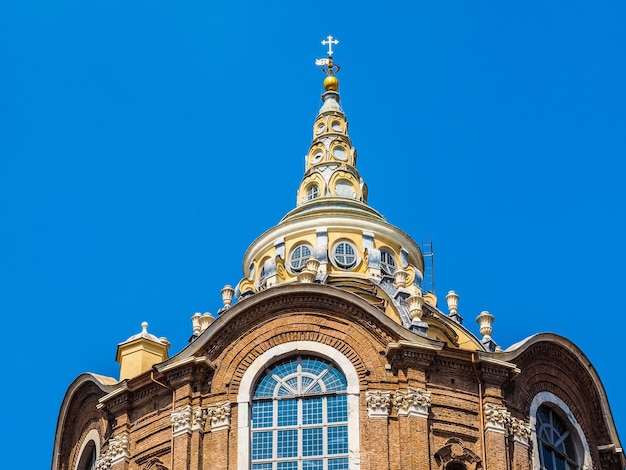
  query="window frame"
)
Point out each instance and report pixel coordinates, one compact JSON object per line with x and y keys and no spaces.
{"x":341,"y":265}
{"x":301,"y":259}
{"x":281,"y":351}
{"x":385,"y":263}
{"x":311,"y":392}
{"x":564,"y":413}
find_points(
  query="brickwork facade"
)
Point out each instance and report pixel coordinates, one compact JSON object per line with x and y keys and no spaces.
{"x":420,"y":406}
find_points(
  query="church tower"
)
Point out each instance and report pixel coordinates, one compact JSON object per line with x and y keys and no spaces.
{"x":329,"y":354}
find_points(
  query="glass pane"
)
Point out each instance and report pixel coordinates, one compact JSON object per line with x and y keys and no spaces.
{"x":287,"y":412}
{"x":262,"y":414}
{"x":293,"y":383}
{"x":338,"y":440}
{"x":337,"y":409}
{"x":338,"y":464}
{"x":287,"y":443}
{"x":285,"y":368}
{"x":265,"y":388}
{"x":313,"y":366}
{"x":335,"y":380}
{"x":288,"y":466}
{"x":312,"y":465}
{"x":312,"y":442}
{"x":261,"y":445}
{"x":312,"y":411}
{"x":262,"y":466}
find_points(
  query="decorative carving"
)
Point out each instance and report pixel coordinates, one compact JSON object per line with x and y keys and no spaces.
{"x":118,"y":449}
{"x":412,"y":402}
{"x":181,"y":420}
{"x":520,"y":430}
{"x":378,"y":404}
{"x":198,"y":418}
{"x":155,"y":464}
{"x":497,"y":418}
{"x":219,"y":415}
{"x":455,"y":451}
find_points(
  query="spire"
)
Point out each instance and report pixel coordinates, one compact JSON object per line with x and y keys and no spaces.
{"x":330,"y":169}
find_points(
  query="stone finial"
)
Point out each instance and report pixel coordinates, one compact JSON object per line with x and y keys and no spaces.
{"x":205,"y":320}
{"x":484,"y":320}
{"x":309,"y":272}
{"x":415,"y":303}
{"x":453,"y":304}
{"x":227,"y":296}
{"x":195,"y":323}
{"x":378,"y":404}
{"x":400,"y":278}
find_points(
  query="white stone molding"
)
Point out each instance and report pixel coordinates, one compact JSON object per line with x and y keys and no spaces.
{"x":181,"y":420}
{"x":548,"y":397}
{"x":219,"y":415}
{"x":412,"y":402}
{"x":92,"y":436}
{"x":198,"y":418}
{"x":496,"y":418}
{"x":520,"y":430}
{"x":118,"y":450}
{"x":285,"y":350}
{"x":378,"y":404}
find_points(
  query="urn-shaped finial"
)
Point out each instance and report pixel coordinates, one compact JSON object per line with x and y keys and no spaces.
{"x":415,"y":303}
{"x":227,"y":296}
{"x":484,"y":320}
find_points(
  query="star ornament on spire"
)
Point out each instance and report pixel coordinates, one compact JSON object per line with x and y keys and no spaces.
{"x":327,"y":65}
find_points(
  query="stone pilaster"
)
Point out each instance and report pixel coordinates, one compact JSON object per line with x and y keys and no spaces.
{"x":413,"y":408}
{"x":219,"y":417}
{"x":496,"y":422}
{"x":520,"y":431}
{"x":378,"y":407}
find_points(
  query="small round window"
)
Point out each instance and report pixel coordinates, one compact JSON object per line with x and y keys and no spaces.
{"x":299,"y":257}
{"x":387,"y":262}
{"x":336,"y":125}
{"x":312,"y":192}
{"x":344,"y":255}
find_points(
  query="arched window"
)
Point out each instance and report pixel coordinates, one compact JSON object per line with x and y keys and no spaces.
{"x":558,"y":440}
{"x":300,"y":416}
{"x":557,"y":447}
{"x":387,"y":262}
{"x":312,"y":192}
{"x":89,"y":451}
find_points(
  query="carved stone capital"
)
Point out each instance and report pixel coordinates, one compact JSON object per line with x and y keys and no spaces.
{"x":520,"y":430}
{"x":378,"y":404}
{"x":118,"y":449}
{"x":219,"y":415}
{"x":181,"y":420}
{"x":198,"y":418}
{"x":412,"y":402}
{"x":496,"y":418}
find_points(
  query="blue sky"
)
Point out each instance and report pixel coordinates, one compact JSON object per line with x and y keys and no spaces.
{"x":145,"y":145}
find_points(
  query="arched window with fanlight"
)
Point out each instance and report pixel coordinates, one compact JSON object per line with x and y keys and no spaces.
{"x":299,"y":418}
{"x":559,"y":442}
{"x":558,"y":449}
